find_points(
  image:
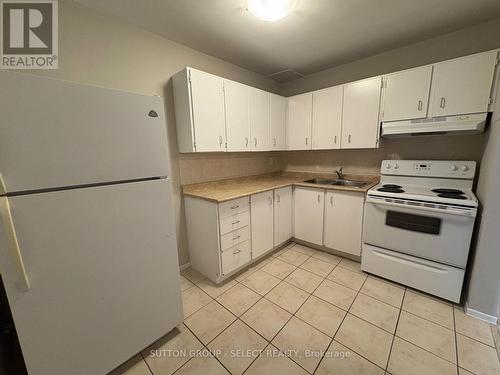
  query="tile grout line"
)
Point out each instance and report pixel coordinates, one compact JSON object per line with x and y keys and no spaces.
{"x":395,"y":331}
{"x":333,"y":339}
{"x":456,"y":338}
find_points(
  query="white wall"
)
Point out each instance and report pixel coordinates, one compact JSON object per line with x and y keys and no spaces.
{"x":484,"y":286}
{"x":102,"y":50}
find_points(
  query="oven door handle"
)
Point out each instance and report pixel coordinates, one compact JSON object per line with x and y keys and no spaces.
{"x":450,"y":210}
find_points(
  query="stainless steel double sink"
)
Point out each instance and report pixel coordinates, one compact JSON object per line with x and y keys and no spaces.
{"x":337,"y":181}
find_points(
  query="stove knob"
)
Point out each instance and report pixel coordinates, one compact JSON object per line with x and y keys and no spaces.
{"x":389,"y":166}
{"x":454,"y":168}
{"x":465,"y":168}
{"x":396,"y":166}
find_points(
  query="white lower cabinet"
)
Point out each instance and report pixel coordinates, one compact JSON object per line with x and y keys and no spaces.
{"x":308,"y":214}
{"x":282,"y":215}
{"x":343,"y":221}
{"x":235,"y":257}
{"x":262,"y":222}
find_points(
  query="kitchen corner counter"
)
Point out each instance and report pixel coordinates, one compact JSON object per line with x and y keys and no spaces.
{"x":225,"y":190}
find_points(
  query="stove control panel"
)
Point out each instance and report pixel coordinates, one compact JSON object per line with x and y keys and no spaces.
{"x":429,"y":168}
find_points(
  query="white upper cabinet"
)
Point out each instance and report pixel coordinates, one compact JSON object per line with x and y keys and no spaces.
{"x":259,"y":119}
{"x":463,"y":85}
{"x":282,"y":215}
{"x":406,"y":94}
{"x":237,"y":116}
{"x":300,"y":122}
{"x":360,"y":115}
{"x":277,"y":108}
{"x":327,"y":118}
{"x":199,"y":108}
{"x":261,"y":216}
{"x":308,"y":214}
{"x":344,"y":221}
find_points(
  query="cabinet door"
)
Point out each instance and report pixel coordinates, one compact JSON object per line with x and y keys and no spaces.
{"x":259,"y":119}
{"x":261,"y":218}
{"x":207,"y":102}
{"x":308,"y":214}
{"x":360,"y":119}
{"x":343,"y":221}
{"x":299,"y":122}
{"x":237,"y":121}
{"x":282,"y":215}
{"x":463,"y":85}
{"x":406,"y":94}
{"x":278,"y":121}
{"x":327,"y":118}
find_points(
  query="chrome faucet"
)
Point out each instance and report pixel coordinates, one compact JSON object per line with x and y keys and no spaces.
{"x":340,"y":174}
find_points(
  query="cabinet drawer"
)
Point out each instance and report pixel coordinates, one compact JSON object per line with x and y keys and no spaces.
{"x":235,"y":257}
{"x":233,"y":238}
{"x":233,"y":222}
{"x":234,"y":206}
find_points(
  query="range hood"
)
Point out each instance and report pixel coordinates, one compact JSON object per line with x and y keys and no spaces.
{"x":463,"y":124}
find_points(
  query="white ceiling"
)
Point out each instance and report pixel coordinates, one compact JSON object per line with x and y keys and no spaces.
{"x":319,"y":34}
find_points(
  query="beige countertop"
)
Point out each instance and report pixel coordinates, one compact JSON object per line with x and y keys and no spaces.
{"x":224,"y":190}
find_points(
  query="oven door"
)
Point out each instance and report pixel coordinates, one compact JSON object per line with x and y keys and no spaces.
{"x":442,"y":235}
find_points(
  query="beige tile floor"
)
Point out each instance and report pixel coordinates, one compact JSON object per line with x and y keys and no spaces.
{"x":302,"y":311}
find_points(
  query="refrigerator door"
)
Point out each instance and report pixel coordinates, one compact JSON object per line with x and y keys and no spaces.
{"x":103,"y":275}
{"x":55,"y":133}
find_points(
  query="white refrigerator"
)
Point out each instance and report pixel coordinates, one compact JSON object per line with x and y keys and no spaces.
{"x":88,"y":253}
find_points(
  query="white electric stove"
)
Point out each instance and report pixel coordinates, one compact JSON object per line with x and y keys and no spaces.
{"x":418,"y":224}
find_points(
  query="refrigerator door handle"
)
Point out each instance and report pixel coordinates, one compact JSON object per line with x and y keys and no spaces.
{"x":10,"y":231}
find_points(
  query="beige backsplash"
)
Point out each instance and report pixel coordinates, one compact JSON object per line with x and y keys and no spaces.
{"x":217,"y":166}
{"x":204,"y":167}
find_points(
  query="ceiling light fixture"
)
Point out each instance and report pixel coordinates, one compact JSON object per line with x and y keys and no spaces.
{"x":271,"y":10}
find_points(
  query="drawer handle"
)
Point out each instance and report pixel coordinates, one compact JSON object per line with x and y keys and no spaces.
{"x":442,"y":104}
{"x":278,"y":198}
{"x":234,"y":207}
{"x":236,"y":251}
{"x":235,"y":222}
{"x":236,"y":238}
{"x":420,"y":105}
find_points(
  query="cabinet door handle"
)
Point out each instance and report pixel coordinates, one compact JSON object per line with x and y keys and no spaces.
{"x":246,"y":141}
{"x":319,"y":197}
{"x":255,"y":142}
{"x":335,"y":140}
{"x":306,"y":140}
{"x":331,"y":200}
{"x":420,"y":105}
{"x":270,"y":199}
{"x":278,"y":198}
{"x":442,"y":104}
{"x":235,"y":207}
{"x":349,"y":139}
{"x":274,"y":141}
{"x":220,"y":140}
{"x":235,"y":222}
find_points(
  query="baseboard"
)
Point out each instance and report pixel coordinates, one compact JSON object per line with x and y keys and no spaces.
{"x":480,"y":315}
{"x":184,"y":266}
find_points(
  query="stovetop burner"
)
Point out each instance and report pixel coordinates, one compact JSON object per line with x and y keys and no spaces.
{"x":452,"y":196}
{"x":448,"y":191}
{"x":391,"y":188}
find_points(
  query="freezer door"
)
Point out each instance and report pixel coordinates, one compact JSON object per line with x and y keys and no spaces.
{"x":55,"y":133}
{"x":103,"y":275}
